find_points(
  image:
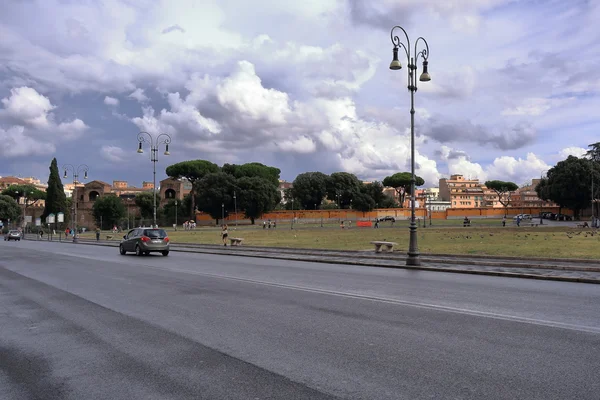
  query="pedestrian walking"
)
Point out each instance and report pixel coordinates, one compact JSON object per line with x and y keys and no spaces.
{"x":504,"y":220}
{"x":224,"y":235}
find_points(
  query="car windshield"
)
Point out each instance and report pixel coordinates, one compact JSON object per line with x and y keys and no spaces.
{"x":155,"y":233}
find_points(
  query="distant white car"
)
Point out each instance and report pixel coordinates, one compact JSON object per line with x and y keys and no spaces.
{"x":522,"y":216}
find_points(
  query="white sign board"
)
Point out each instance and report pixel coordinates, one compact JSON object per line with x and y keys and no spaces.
{"x":50,"y":219}
{"x":38,"y":222}
{"x":28,"y":219}
{"x":61,"y":217}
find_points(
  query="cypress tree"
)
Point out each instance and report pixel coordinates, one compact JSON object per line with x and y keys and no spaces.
{"x":56,"y":200}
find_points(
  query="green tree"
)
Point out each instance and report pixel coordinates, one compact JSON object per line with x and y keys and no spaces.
{"x":308,"y":189}
{"x":193,"y":171}
{"x":503,"y":190}
{"x":145,"y":202}
{"x":363,"y":202}
{"x":254,"y":169}
{"x":213,"y":190}
{"x":594,"y":152}
{"x":9,"y":209}
{"x":31,"y":193}
{"x":568,"y":184}
{"x":342,"y":187}
{"x":169,"y":212}
{"x":256,"y":196}
{"x":108,"y":210}
{"x":56,"y":200}
{"x":375,"y":190}
{"x":401,"y":182}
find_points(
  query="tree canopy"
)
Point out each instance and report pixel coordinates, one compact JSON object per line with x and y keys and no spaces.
{"x":401,"y":182}
{"x":342,"y":187}
{"x":257,"y":196}
{"x":56,"y":199}
{"x":568,"y":183}
{"x":108,"y":210}
{"x":215,"y":193}
{"x":193,"y":171}
{"x":253,"y":169}
{"x":309,"y":189}
{"x":30,"y":192}
{"x":9,"y":209}
{"x":503,"y":190}
{"x":145,"y":202}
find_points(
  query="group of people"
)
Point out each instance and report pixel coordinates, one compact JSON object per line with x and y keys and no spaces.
{"x":269,"y":224}
{"x":189,"y":225}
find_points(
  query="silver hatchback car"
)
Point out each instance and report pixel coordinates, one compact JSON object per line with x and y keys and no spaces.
{"x":144,"y":241}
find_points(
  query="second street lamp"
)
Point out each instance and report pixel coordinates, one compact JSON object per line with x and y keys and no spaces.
{"x":163,"y":138}
{"x":75,"y":171}
{"x":413,"y":250}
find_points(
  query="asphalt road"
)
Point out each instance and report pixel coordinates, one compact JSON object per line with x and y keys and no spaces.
{"x":82,"y":322}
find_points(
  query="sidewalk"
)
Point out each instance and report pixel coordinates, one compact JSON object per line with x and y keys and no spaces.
{"x":572,"y":270}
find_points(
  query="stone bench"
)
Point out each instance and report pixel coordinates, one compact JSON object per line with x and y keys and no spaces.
{"x":236,"y":241}
{"x":388,"y":245}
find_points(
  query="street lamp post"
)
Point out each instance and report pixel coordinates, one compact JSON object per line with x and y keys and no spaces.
{"x":222,"y":213}
{"x":176,"y":223}
{"x":75,"y":171}
{"x":163,"y":138}
{"x":235,"y":208}
{"x":413,"y":250}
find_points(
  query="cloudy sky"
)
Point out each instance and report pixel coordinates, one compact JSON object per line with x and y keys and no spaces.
{"x":301,"y":85}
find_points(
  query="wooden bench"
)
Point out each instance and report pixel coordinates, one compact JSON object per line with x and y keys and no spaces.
{"x":388,"y":245}
{"x":532,"y":224}
{"x":584,"y":225}
{"x":236,"y":241}
{"x":109,"y":237}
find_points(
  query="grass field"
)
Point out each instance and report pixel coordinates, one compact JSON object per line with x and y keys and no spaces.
{"x":480,"y":239}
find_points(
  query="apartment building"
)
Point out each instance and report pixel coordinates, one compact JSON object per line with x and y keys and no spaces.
{"x":526,"y":196}
{"x":462,"y":192}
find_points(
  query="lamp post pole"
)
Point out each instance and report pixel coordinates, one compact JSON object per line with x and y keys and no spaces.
{"x":235,"y":208}
{"x":222,"y":213}
{"x":163,"y":138}
{"x":413,"y":250}
{"x":75,"y":171}
{"x":176,"y":223}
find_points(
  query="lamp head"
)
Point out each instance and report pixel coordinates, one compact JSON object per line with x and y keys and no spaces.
{"x":425,"y":77}
{"x":167,"y":151}
{"x":140,"y":150}
{"x":85,"y":175}
{"x":65,"y":174}
{"x":395,"y":64}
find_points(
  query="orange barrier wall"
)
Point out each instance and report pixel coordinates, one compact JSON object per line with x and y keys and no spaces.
{"x":398,"y":213}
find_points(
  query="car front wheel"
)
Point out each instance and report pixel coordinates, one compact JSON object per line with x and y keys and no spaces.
{"x":122,"y":250}
{"x":138,"y":251}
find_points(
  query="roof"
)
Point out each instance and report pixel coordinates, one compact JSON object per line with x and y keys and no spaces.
{"x":13,"y":180}
{"x":97,"y":181}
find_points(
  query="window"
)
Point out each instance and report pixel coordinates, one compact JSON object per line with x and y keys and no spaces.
{"x":155,"y":233}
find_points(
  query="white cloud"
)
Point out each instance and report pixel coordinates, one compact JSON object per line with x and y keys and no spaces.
{"x":113,"y":153}
{"x":138,"y":94}
{"x":32,"y":129}
{"x":111,"y":101}
{"x":26,"y":105}
{"x":15,"y":143}
{"x":572,"y":151}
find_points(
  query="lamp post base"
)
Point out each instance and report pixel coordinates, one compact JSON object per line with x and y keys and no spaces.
{"x":413,"y":251}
